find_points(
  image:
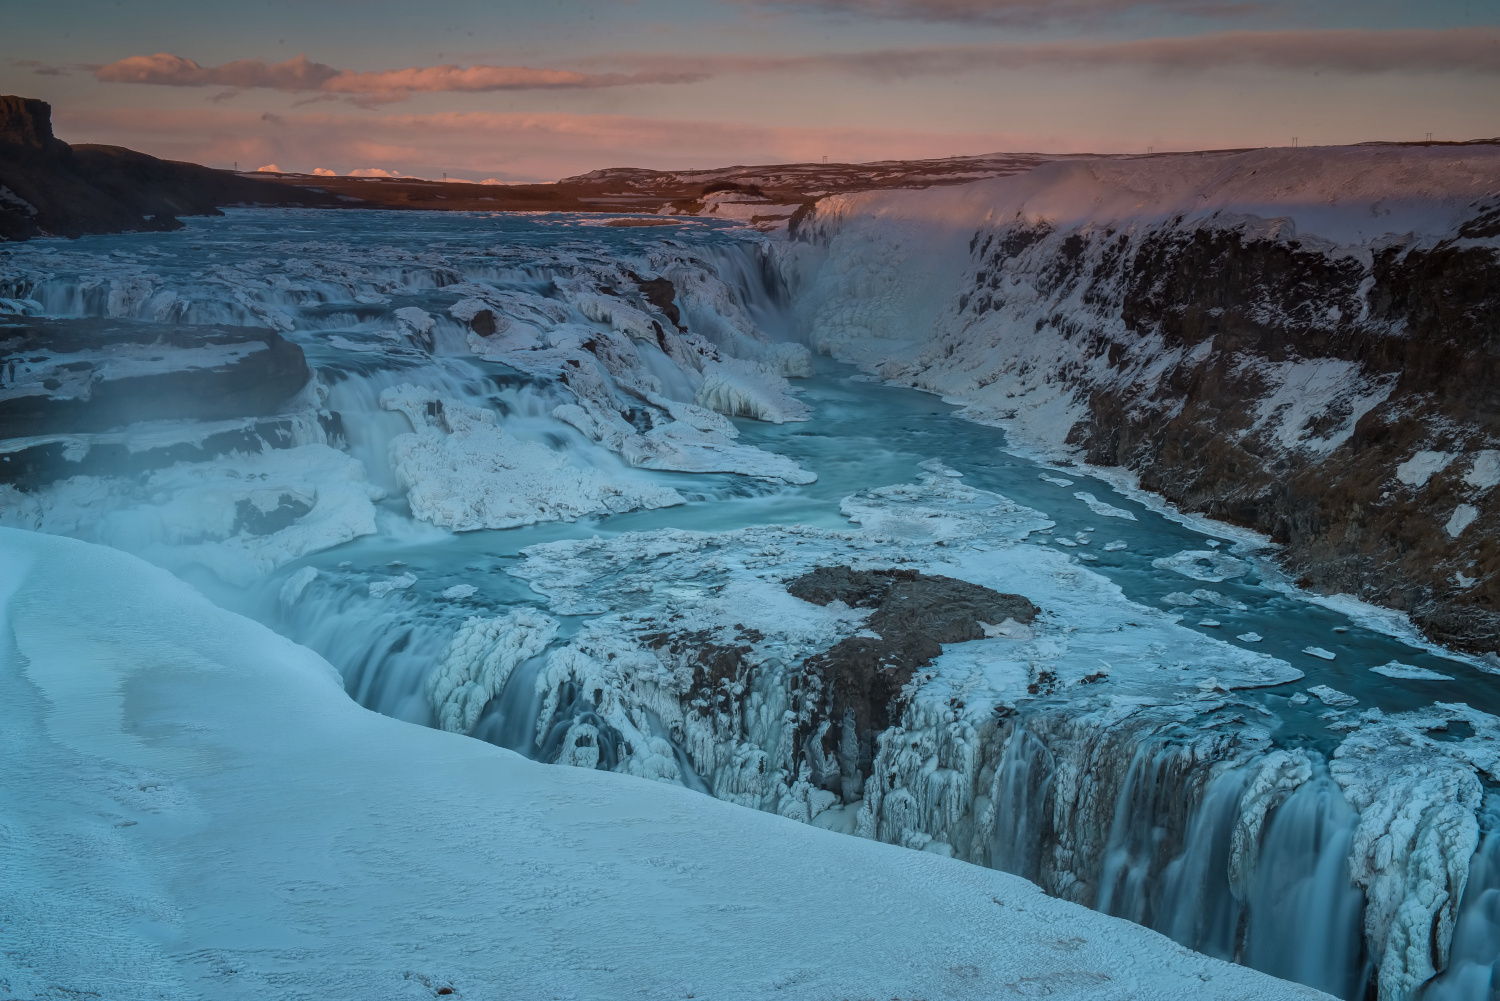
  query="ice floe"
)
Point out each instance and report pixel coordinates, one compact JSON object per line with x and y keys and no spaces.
{"x":1205,"y":565}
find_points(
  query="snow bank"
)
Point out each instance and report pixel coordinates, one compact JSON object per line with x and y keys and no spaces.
{"x":282,"y":840}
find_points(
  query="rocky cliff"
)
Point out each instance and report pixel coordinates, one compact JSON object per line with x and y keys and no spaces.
{"x":1306,"y":343}
{"x":50,"y":188}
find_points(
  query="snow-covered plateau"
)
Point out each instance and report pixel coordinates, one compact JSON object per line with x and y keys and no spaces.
{"x":599,"y":497}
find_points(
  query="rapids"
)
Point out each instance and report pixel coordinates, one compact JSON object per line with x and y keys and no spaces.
{"x":1187,"y":829}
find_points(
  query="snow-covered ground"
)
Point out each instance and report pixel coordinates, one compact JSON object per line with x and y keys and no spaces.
{"x":194,"y":808}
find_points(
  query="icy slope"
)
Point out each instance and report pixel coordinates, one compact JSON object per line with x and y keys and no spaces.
{"x":194,"y":808}
{"x":1271,"y":338}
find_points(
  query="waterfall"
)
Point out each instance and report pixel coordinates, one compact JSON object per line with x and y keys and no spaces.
{"x":1305,"y":916}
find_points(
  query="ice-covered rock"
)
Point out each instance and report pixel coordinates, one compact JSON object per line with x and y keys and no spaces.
{"x":462,"y":471}
{"x":478,"y":662}
{"x":240,"y":515}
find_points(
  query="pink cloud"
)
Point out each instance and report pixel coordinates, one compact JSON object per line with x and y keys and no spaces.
{"x":296,"y":74}
{"x":1008,"y":11}
{"x":1473,"y":50}
{"x":300,"y":75}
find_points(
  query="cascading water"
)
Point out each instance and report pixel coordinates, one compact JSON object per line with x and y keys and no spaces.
{"x":1180,"y":822}
{"x":1304,"y":914}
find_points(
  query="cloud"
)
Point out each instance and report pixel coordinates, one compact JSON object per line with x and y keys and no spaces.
{"x":296,"y":74}
{"x":1352,"y":51}
{"x":1010,"y":11}
{"x":40,"y":68}
{"x":301,"y":75}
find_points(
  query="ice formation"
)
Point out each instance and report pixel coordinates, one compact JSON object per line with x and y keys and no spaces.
{"x":1102,"y":509}
{"x":479,"y":661}
{"x":462,"y":471}
{"x":1396,"y":669}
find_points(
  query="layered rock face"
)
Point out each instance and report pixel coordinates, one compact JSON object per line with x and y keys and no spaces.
{"x":1306,"y":343}
{"x":49,"y":187}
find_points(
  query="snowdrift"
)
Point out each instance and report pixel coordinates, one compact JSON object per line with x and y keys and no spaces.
{"x":194,"y":806}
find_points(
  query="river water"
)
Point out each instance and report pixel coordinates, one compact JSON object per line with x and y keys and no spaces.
{"x":1302,"y":917}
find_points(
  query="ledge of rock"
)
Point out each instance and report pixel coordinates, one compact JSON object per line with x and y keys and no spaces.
{"x":852,"y":690}
{"x":76,"y":376}
{"x":50,"y":188}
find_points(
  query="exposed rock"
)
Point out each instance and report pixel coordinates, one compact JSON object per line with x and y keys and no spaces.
{"x":72,"y":376}
{"x":1420,"y":326}
{"x":49,"y":187}
{"x":854,"y":689}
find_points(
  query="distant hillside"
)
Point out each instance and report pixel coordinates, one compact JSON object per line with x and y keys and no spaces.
{"x":757,"y":194}
{"x":50,"y":188}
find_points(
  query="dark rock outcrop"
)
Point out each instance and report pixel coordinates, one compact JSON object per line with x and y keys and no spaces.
{"x":49,"y":187}
{"x":852,"y":691}
{"x":77,"y":376}
{"x":1425,"y":322}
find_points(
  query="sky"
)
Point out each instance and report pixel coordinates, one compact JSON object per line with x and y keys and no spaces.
{"x":510,"y":91}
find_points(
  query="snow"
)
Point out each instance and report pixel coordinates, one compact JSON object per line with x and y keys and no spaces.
{"x":1463,"y":516}
{"x":1485,"y":472}
{"x":459,"y":591}
{"x":463,"y":472}
{"x":1416,"y":471}
{"x":224,"y":514}
{"x":191,"y":799}
{"x":1406,"y":672}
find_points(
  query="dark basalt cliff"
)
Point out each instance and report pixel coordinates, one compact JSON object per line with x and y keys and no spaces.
{"x":62,"y":382}
{"x":1384,"y":358}
{"x":50,"y":188}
